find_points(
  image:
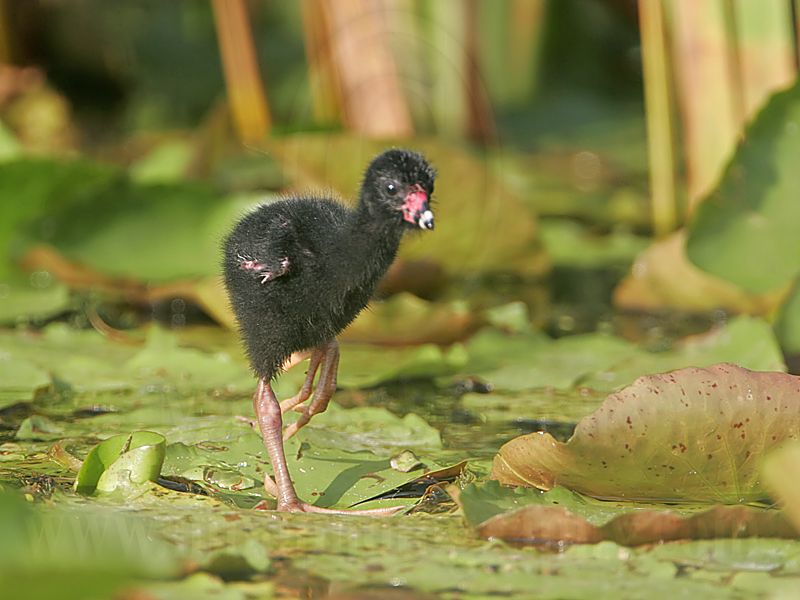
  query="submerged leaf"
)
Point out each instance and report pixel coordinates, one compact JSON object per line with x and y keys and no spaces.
{"x":557,"y":525}
{"x":691,"y":434}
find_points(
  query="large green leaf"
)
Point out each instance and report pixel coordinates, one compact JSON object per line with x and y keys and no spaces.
{"x":693,"y":434}
{"x":339,"y":460}
{"x":32,"y":190}
{"x":746,"y":230}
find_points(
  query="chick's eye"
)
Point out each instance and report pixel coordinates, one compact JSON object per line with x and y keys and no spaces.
{"x":391,"y":188}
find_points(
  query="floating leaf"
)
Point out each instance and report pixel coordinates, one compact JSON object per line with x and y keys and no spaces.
{"x":746,"y":341}
{"x":604,"y":362}
{"x":120,"y":461}
{"x":163,"y":361}
{"x":19,"y":379}
{"x":334,"y":462}
{"x":365,"y":366}
{"x":525,"y":362}
{"x":20,"y":300}
{"x":693,"y":434}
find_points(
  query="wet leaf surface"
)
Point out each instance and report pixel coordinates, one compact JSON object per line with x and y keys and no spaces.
{"x":692,"y":434}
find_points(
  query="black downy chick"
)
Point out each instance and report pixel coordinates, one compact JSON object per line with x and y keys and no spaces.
{"x":299,"y":270}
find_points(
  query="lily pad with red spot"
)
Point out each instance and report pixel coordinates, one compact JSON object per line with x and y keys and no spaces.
{"x":692,"y":434}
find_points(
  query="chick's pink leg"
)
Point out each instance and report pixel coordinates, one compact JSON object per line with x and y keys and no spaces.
{"x":268,"y":413}
{"x":326,"y":387}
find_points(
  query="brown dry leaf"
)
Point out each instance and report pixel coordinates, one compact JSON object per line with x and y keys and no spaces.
{"x":557,"y":525}
{"x":691,"y":434}
{"x":663,"y":277}
{"x":406,"y":320}
{"x":81,"y":277}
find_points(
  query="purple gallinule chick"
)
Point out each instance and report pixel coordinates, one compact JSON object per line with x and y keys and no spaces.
{"x":299,"y":270}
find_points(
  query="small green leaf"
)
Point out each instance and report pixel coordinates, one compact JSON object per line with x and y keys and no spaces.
{"x":38,"y":427}
{"x":121,"y":460}
{"x":19,"y":379}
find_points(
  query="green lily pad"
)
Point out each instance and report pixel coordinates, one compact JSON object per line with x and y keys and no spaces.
{"x":240,"y":560}
{"x":693,"y":434}
{"x":163,"y":361}
{"x":570,"y":244}
{"x":332,"y":465}
{"x":558,"y":364}
{"x":745,"y":231}
{"x":20,"y":379}
{"x":373,"y":429}
{"x":19,"y":300}
{"x":366,"y":366}
{"x":598,"y":361}
{"x":204,"y":586}
{"x":85,"y":551}
{"x":120,"y":461}
{"x":84,"y":360}
{"x":746,"y":341}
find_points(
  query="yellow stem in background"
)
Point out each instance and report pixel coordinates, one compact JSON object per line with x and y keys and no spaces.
{"x":660,"y":121}
{"x":372,"y":98}
{"x":321,"y":72}
{"x":6,"y":39}
{"x":246,"y":96}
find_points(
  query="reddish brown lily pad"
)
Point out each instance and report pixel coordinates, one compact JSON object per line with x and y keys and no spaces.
{"x":692,"y":434}
{"x":557,"y":525}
